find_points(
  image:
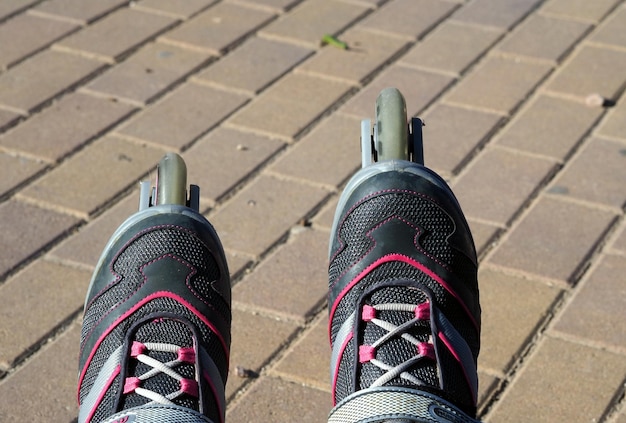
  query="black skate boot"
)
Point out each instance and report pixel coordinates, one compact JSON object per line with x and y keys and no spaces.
{"x":403,"y":294}
{"x":156,"y":330}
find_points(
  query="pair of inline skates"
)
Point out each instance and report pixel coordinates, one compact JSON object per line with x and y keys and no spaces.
{"x":404,"y":316}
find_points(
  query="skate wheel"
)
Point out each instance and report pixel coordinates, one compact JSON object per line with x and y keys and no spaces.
{"x":391,"y":130}
{"x":171,"y":181}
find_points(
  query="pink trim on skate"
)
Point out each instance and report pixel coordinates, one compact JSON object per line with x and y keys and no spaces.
{"x":422,"y":311}
{"x":190,"y":387}
{"x":366,"y":353}
{"x":402,"y":258}
{"x":187,"y":355}
{"x":130,"y":384}
{"x":159,"y":294}
{"x":103,"y":391}
{"x":458,"y":359}
{"x":368,"y":313}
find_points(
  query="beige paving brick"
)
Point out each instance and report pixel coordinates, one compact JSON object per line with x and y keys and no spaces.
{"x":180,"y":8}
{"x":255,"y":339}
{"x":410,"y":19}
{"x":557,"y":381}
{"x":451,"y":47}
{"x":290,"y":105}
{"x":452,"y":134}
{"x":495,"y":13}
{"x":77,"y":10}
{"x":367,"y":52}
{"x":418,"y":87}
{"x":37,"y":300}
{"x":183,"y":116}
{"x":147,"y":73}
{"x":553,"y":240}
{"x":272,"y":399}
{"x":324,"y":218}
{"x":308,"y":360}
{"x":218,"y":28}
{"x":40,"y":33}
{"x":486,"y":385}
{"x":224,"y":158}
{"x":618,"y":245}
{"x":35,"y":81}
{"x":549,"y":126}
{"x":483,"y":234}
{"x":263,"y":212}
{"x":512,"y":311}
{"x":615,"y":123}
{"x":591,"y":70}
{"x":65,"y":126}
{"x":621,"y":418}
{"x":85,"y":245}
{"x":26,"y":230}
{"x":97,"y":174}
{"x":600,"y":160}
{"x":544,"y":37}
{"x":592,"y":11}
{"x":278,"y":5}
{"x":290,"y":283}
{"x":499,"y":84}
{"x":254,"y":65}
{"x":11,"y":7}
{"x":114,"y":36}
{"x":512,"y":179}
{"x":310,"y":20}
{"x":15,"y":171}
{"x":329,"y":154}
{"x":611,"y":33}
{"x":7,"y":118}
{"x":597,"y":310}
{"x":54,"y":386}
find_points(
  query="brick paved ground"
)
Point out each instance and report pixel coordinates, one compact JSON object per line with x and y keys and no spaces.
{"x":93,"y":93}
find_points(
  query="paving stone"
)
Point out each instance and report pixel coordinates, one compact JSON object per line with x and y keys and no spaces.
{"x":311,"y":404}
{"x":180,"y":8}
{"x":117,"y":34}
{"x":366,"y":53}
{"x":147,"y":73}
{"x":267,"y":208}
{"x":600,"y":160}
{"x":11,"y":7}
{"x":597,"y":310}
{"x":614,"y":125}
{"x":611,"y":33}
{"x":16,"y":170}
{"x":486,"y":385}
{"x":619,"y":242}
{"x":218,"y":28}
{"x":97,"y":175}
{"x":290,"y":105}
{"x":254,"y":65}
{"x":33,"y":82}
{"x":544,"y":37}
{"x":551,"y":240}
{"x":310,"y":20}
{"x":453,"y":134}
{"x":85,"y":245}
{"x":451,"y":47}
{"x":27,"y":229}
{"x":65,"y":126}
{"x":243,"y":152}
{"x":7,"y":118}
{"x":78,"y":10}
{"x":277,"y":5}
{"x":54,"y":386}
{"x":512,"y":311}
{"x":410,"y":19}
{"x":292,"y":282}
{"x":41,"y":33}
{"x":549,"y":126}
{"x":183,"y":116}
{"x":483,"y":234}
{"x":557,"y":380}
{"x":36,"y":300}
{"x":328,"y":155}
{"x":308,"y":360}
{"x":591,"y":71}
{"x":499,"y":84}
{"x":324,"y":218}
{"x":592,"y":11}
{"x":255,"y":339}
{"x":419,"y":89}
{"x":512,"y":177}
{"x":495,"y":13}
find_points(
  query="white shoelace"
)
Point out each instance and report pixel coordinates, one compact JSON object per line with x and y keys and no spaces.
{"x":184,"y":356}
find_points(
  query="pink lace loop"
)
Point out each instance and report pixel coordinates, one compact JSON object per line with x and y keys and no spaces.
{"x":187,"y":355}
{"x":368,"y":313}
{"x":366,"y":353}
{"x":136,"y":349}
{"x":130,"y":384}
{"x":422,"y":311}
{"x":427,"y":350}
{"x":189,"y":387}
